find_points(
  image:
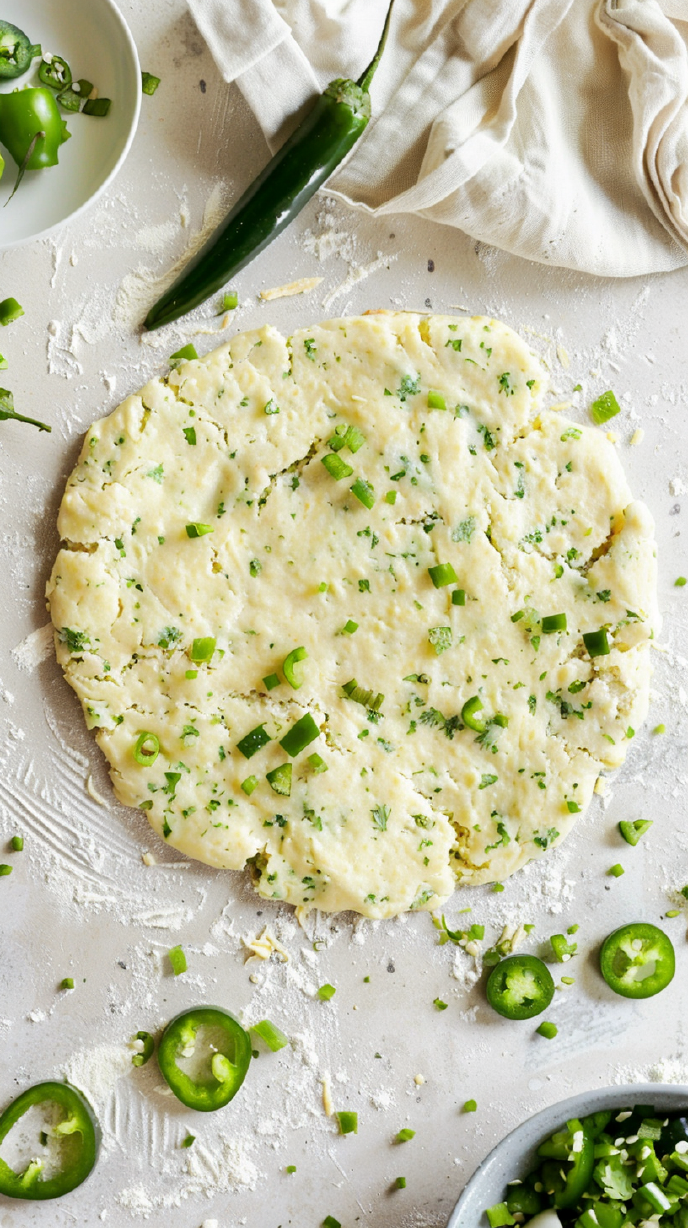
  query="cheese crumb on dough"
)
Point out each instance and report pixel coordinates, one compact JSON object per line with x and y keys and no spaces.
{"x":388,"y":496}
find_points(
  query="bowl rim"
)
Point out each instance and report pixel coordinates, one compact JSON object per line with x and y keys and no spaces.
{"x":133,"y":52}
{"x":617,"y":1093}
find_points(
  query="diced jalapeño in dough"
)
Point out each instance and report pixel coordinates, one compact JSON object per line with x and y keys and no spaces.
{"x":300,"y":735}
{"x":203,"y":649}
{"x":552,"y":623}
{"x":253,"y":741}
{"x":442,"y":574}
{"x":597,"y":643}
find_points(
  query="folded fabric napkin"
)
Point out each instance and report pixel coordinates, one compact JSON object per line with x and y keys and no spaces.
{"x":555,"y":129}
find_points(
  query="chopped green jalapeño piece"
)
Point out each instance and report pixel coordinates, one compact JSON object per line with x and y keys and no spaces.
{"x":364,"y":492}
{"x":186,"y":353}
{"x":279,"y":779}
{"x":293,"y":675}
{"x":604,"y":408}
{"x":552,"y":623}
{"x":198,"y":530}
{"x":253,"y":741}
{"x":336,"y":467}
{"x":633,"y":829}
{"x":468,"y":714}
{"x":149,"y":82}
{"x":203,"y":648}
{"x":273,"y":1037}
{"x":442,"y":574}
{"x":300,"y":735}
{"x":597,"y":643}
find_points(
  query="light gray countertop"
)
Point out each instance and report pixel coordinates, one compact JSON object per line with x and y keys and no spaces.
{"x":81,"y":903}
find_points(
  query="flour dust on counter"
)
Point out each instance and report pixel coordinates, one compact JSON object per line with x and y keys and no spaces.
{"x":354,"y":610}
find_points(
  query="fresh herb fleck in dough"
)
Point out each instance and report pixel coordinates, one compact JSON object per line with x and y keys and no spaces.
{"x":434,"y":698}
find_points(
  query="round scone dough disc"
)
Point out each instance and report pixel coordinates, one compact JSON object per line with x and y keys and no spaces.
{"x":388,"y":494}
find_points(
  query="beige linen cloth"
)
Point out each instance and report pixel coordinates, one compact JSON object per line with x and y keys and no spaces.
{"x":555,"y":129}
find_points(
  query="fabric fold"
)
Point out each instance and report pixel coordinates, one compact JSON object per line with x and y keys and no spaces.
{"x":555,"y":129}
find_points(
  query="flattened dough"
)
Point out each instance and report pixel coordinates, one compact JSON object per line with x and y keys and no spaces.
{"x":464,"y":467}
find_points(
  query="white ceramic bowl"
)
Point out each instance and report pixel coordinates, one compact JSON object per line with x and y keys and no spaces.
{"x":94,"y":39}
{"x":515,"y":1156}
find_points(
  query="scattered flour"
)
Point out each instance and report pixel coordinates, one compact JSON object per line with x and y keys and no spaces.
{"x":223,"y":1170}
{"x":34,"y":649}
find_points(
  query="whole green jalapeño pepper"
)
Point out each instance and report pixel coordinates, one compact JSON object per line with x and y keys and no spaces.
{"x":310,"y":155}
{"x":69,"y":1140}
{"x":31,"y":124}
{"x":214,"y":1052}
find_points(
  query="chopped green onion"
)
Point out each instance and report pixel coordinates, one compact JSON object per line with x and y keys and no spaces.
{"x":391,"y":497}
{"x":498,"y":886}
{"x":436,"y":401}
{"x":270,"y":407}
{"x":146,"y":748}
{"x":189,"y":433}
{"x":5,"y":870}
{"x":616,"y":871}
{"x":680,"y":582}
{"x":317,"y":762}
{"x":230,"y":300}
{"x":300,"y":735}
{"x":470,"y":1106}
{"x":326,"y":992}
{"x":67,"y":982}
{"x":140,"y":1059}
{"x":97,"y":106}
{"x":597,"y":643}
{"x":186,"y":353}
{"x":293,"y":676}
{"x":191,"y":673}
{"x":499,"y":1215}
{"x":441,"y":1006}
{"x":604,"y":408}
{"x":442,"y":575}
{"x":471,"y":706}
{"x":279,"y":779}
{"x":572,"y":807}
{"x":346,"y":437}
{"x":202,"y":649}
{"x":189,"y":1140}
{"x":274,"y":1039}
{"x":673,"y":912}
{"x":350,"y":626}
{"x":3,"y":363}
{"x":10,"y":311}
{"x":364,"y":492}
{"x":659,"y":729}
{"x":405,"y":1135}
{"x":459,"y":596}
{"x":198,"y":530}
{"x":149,"y":82}
{"x":633,"y":829}
{"x":270,"y":681}
{"x":361,"y":695}
{"x":291,"y":1168}
{"x":336,"y":467}
{"x":17,"y":843}
{"x":400,"y":1183}
{"x":253,"y":741}
{"x":249,"y":785}
{"x":330,"y":1222}
{"x":177,"y":959}
{"x":348,"y":1123}
{"x":548,"y":1030}
{"x":553,"y":622}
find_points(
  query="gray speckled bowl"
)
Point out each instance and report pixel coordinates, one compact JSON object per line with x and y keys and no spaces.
{"x":515,"y":1155}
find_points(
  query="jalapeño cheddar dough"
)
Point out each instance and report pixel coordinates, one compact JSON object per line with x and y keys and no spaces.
{"x":353,"y":610}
